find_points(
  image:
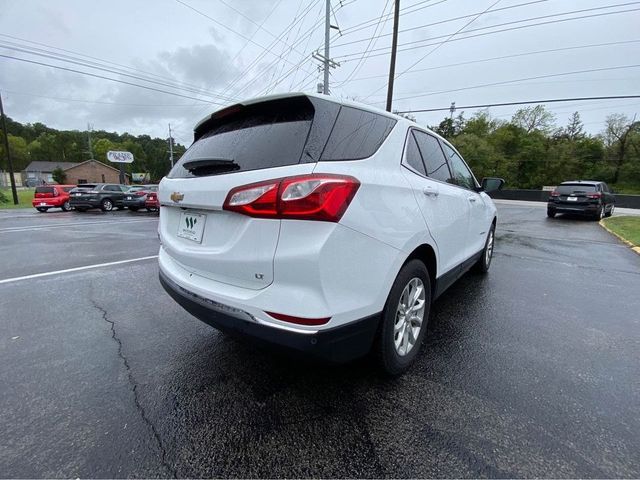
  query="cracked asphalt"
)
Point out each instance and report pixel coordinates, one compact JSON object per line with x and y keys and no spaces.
{"x":531,"y":371}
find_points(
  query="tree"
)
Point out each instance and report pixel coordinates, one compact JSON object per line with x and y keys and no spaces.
{"x":575,"y":127}
{"x":534,"y":118}
{"x":617,"y":136}
{"x":59,"y":176}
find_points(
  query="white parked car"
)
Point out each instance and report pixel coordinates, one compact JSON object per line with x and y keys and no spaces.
{"x":323,"y":226}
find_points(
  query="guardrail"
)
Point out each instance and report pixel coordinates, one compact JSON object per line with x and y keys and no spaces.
{"x":622,"y":201}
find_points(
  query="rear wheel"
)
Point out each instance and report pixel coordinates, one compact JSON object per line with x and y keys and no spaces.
{"x":551,"y":213}
{"x":42,"y":209}
{"x":610,"y":212}
{"x":106,"y":205}
{"x":601,"y":212}
{"x":66,"y":206}
{"x":404,"y":319}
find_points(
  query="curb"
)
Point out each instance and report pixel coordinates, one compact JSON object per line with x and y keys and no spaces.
{"x":622,"y":239}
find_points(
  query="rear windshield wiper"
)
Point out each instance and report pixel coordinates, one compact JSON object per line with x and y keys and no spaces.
{"x":210,"y":166}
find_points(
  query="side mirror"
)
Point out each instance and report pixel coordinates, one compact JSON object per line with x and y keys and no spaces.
{"x":491,"y":184}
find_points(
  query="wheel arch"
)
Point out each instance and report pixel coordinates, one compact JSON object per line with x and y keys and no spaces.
{"x":427,"y":255}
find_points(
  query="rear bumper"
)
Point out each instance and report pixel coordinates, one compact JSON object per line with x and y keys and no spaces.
{"x":47,"y":202}
{"x":134,"y":203}
{"x":337,"y":345}
{"x":82,"y":203}
{"x":590,"y":209}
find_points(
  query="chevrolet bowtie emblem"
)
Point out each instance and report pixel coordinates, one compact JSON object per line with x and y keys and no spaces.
{"x":177,"y":196}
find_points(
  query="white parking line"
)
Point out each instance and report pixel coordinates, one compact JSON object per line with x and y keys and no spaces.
{"x":76,"y":269}
{"x":71,"y":225}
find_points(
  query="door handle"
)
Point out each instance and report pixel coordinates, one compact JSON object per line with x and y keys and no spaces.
{"x":430,"y":191}
{"x":471,"y":199}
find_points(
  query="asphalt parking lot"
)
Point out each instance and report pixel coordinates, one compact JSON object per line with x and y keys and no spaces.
{"x":533,"y":370}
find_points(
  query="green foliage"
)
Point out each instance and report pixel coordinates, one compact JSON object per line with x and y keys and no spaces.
{"x":529,"y":151}
{"x":59,"y":176}
{"x":3,"y":198}
{"x":29,"y":142}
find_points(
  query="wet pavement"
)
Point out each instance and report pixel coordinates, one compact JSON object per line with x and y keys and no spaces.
{"x":533,"y":370}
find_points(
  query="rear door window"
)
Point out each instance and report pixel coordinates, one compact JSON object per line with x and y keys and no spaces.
{"x":412,"y":156}
{"x":266,"y":135}
{"x":357,"y":134}
{"x":433,"y":156}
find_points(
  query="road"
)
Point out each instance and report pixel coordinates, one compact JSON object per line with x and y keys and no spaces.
{"x":530,"y":371}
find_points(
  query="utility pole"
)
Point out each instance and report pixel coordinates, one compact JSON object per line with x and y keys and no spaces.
{"x":394,"y":48}
{"x":327,"y":31}
{"x":12,"y":179}
{"x":452,"y":110}
{"x":89,"y":128}
{"x":326,"y":61}
{"x":170,"y":146}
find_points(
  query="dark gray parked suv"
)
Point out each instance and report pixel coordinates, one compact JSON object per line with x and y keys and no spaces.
{"x":582,"y":197}
{"x":105,"y":196}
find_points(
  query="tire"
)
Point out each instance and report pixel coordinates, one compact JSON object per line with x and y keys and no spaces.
{"x":551,"y":213}
{"x":393,"y":347}
{"x":106,"y":205}
{"x":133,"y":209}
{"x":484,"y":262}
{"x":601,"y":212}
{"x":42,"y":209}
{"x":66,"y":206}
{"x":610,"y":212}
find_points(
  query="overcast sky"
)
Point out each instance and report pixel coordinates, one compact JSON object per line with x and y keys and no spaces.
{"x":234,"y":54}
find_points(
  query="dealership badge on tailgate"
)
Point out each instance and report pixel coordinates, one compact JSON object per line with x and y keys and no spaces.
{"x":191,"y":226}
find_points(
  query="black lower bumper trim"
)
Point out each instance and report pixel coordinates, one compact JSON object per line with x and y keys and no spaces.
{"x":336,"y":345}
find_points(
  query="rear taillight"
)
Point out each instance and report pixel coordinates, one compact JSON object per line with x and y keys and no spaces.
{"x":323,"y":197}
{"x":555,"y":193}
{"x":594,"y":195}
{"x":299,"y":320}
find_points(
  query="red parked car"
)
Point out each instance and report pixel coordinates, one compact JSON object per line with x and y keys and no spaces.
{"x":151,"y":203}
{"x":52,"y":196}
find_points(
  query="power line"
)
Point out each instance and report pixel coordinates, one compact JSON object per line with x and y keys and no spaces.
{"x":506,"y":82}
{"x":259,"y":57}
{"x":232,"y":30}
{"x":99,"y":61}
{"x":344,"y":57}
{"x":58,"y":67}
{"x":95,"y":66}
{"x":369,"y":45}
{"x":79,"y":100}
{"x":448,"y":20}
{"x":526,"y":102}
{"x":503,"y":57}
{"x":439,"y":45}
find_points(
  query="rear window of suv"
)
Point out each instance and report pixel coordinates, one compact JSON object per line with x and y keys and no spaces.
{"x":44,"y":189}
{"x":567,"y":189}
{"x":265,"y":135}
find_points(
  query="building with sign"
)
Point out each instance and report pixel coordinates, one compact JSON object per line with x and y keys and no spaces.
{"x":93,"y":171}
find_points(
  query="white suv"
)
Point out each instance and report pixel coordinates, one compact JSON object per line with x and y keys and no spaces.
{"x":320,"y":225}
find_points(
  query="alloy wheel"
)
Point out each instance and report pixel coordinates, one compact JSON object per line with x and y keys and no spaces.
{"x":409,"y":316}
